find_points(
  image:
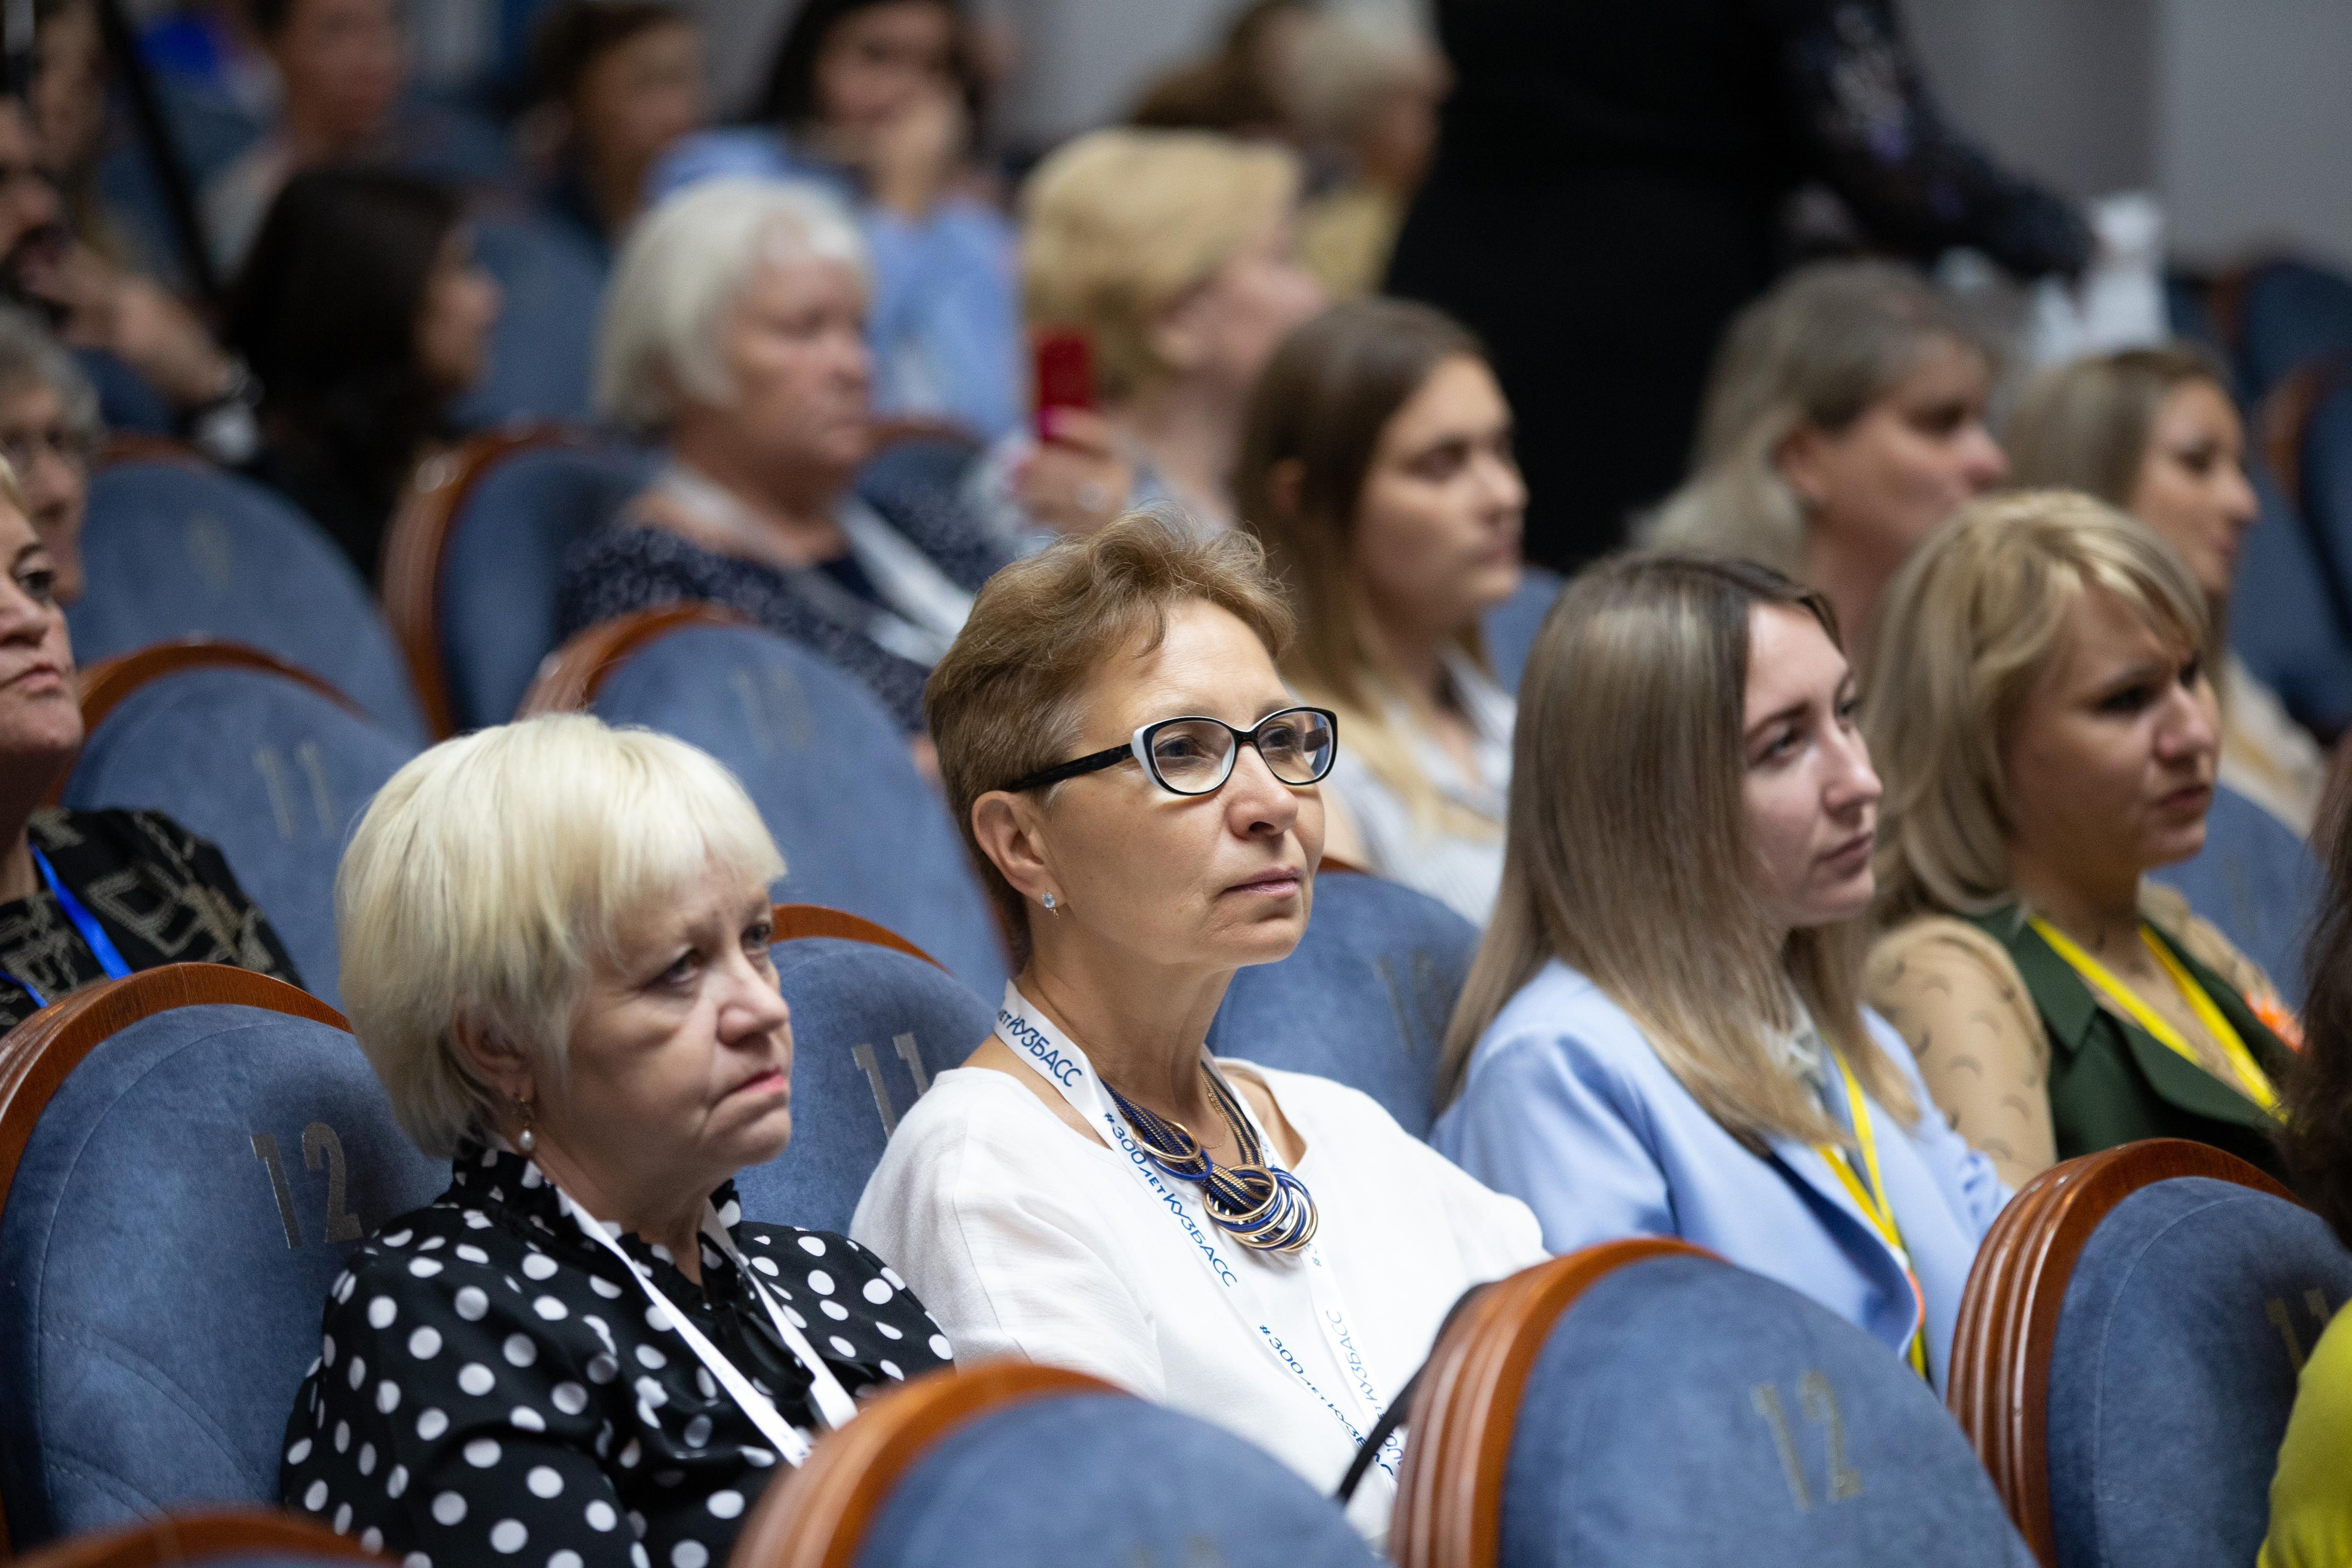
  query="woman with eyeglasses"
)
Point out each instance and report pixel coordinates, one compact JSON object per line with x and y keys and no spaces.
{"x":1265,"y":1249}
{"x":49,"y":428}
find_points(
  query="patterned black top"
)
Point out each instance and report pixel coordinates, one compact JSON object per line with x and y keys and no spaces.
{"x":625,"y":568}
{"x":163,"y":894}
{"x":491,"y":1383}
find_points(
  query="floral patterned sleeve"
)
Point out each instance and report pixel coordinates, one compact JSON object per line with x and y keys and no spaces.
{"x":1878,"y":139}
{"x":1959,"y":1002}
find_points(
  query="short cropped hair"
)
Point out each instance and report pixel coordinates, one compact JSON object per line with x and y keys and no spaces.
{"x":493,"y":872}
{"x":1117,"y":225}
{"x":680,"y":272}
{"x":1004,"y":702}
{"x":30,"y":355}
{"x":1968,"y":626}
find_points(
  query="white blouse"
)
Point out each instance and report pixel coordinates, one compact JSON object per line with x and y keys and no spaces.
{"x":1463,"y":870}
{"x":1024,"y":1236}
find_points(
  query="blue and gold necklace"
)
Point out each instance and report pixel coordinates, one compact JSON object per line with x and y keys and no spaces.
{"x":1259,"y":1204}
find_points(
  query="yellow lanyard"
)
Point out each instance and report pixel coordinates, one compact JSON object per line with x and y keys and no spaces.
{"x":2252,"y":1081}
{"x":1872,"y":1200}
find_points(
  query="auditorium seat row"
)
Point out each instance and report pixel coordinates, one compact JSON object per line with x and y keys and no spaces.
{"x":1637,"y":1402}
{"x":275,"y":767}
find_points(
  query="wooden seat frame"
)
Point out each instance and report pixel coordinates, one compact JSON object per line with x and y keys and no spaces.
{"x":106,"y":684}
{"x":569,"y":677}
{"x":817,"y":1517}
{"x":1465,"y":1409}
{"x":38,"y":1055}
{"x":192,"y":1537}
{"x":793,"y":922}
{"x":1999,"y":1385}
{"x":417,"y":550}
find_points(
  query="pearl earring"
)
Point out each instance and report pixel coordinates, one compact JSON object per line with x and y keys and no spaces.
{"x":525,"y":1141}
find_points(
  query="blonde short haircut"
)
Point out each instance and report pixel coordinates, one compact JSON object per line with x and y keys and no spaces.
{"x":493,"y":872}
{"x":1118,"y":225}
{"x":1967,"y":627}
{"x":1004,"y":703}
{"x":681,"y":269}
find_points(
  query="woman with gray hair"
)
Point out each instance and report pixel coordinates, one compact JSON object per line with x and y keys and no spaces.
{"x":580,"y":1348}
{"x":1844,"y":419}
{"x":734,"y":332}
{"x":50,"y":426}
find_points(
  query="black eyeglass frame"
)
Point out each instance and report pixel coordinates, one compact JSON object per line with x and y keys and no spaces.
{"x":1138,"y":747}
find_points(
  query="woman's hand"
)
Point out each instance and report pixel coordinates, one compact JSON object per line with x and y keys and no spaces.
{"x":132,"y":318}
{"x":1076,"y":480}
{"x":909,"y":158}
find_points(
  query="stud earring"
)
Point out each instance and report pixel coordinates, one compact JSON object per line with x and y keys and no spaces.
{"x":525,"y":1141}
{"x":1052,"y":905}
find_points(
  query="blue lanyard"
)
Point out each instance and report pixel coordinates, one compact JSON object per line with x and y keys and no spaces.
{"x":93,"y":935}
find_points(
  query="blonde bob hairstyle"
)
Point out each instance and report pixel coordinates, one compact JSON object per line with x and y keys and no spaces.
{"x":1829,"y":340}
{"x":494,"y":872}
{"x":663,"y":331}
{"x":1118,"y":225}
{"x":1969,"y":625}
{"x":1007,"y":701}
{"x":1628,"y":844}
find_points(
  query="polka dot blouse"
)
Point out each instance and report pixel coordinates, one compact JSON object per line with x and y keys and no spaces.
{"x":492,"y":1385}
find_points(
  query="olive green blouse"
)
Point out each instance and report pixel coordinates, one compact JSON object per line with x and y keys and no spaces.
{"x":1957,"y":991}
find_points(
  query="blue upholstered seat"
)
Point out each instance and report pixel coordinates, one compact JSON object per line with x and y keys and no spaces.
{"x":2292,"y":312}
{"x":503,"y":559}
{"x":177,"y":550}
{"x":156,"y":1311}
{"x":273,"y":771}
{"x":1100,"y":1480}
{"x":1684,"y":1411}
{"x":2186,"y":1319}
{"x":861,"y":830}
{"x":1510,"y":626}
{"x":542,"y":349}
{"x":2326,"y":472}
{"x":1363,"y":999}
{"x":2291,"y":618}
{"x":2258,"y":881}
{"x":871,"y":1028}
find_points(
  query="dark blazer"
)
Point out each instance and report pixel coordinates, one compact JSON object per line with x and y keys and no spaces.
{"x":2112,"y":1082}
{"x":1610,"y":188}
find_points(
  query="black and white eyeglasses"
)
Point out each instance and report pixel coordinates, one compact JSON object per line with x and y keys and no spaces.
{"x":1194,"y":755}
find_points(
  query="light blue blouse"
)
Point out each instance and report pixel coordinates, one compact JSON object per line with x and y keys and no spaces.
{"x":945,"y":318}
{"x":1567,"y":1106}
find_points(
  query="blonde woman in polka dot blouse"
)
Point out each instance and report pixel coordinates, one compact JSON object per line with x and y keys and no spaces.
{"x":579,"y":1355}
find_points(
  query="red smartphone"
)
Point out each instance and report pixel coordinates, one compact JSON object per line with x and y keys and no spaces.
{"x":1066,"y":374}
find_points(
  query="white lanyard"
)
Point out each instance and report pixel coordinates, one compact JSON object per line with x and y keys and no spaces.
{"x":926,"y":608}
{"x":1064,"y":1065}
{"x":833,"y":1403}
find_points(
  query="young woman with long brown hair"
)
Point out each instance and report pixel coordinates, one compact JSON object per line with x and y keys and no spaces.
{"x":1377,"y":471}
{"x":1662,"y":1033}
